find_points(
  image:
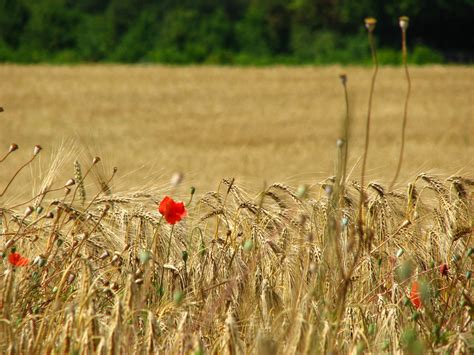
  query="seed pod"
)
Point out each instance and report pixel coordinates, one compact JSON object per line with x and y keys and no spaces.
{"x":70,"y":182}
{"x":343,"y":78}
{"x":403,"y":21}
{"x":13,"y":147}
{"x":370,"y":23}
{"x":29,"y":210}
{"x":36,"y":150}
{"x":40,"y":260}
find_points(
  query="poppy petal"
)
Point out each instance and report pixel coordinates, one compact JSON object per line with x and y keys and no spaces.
{"x":171,"y":210}
{"x":163,"y":205}
{"x":415,"y":297}
{"x":17,"y":260}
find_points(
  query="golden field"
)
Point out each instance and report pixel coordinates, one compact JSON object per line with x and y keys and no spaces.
{"x":269,"y":124}
{"x":281,"y":260}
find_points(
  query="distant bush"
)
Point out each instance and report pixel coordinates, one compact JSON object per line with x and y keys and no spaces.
{"x":423,"y":54}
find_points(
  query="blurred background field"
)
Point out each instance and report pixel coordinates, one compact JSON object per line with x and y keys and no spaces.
{"x":254,"y":124}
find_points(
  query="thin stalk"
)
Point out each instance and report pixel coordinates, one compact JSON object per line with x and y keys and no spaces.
{"x":367,"y":127}
{"x":405,"y":110}
{"x":345,"y":135}
{"x":16,"y":174}
{"x":167,"y":258}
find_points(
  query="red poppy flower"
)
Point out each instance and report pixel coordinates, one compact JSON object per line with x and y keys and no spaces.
{"x":443,"y":269}
{"x":17,"y":260}
{"x":171,"y":210}
{"x":415,"y":297}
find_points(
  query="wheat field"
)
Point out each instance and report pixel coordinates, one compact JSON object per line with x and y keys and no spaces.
{"x":279,"y":251}
{"x":269,"y":124}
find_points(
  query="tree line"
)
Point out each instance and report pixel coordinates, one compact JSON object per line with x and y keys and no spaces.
{"x":232,"y":31}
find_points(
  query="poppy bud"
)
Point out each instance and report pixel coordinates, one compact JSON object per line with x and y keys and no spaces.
{"x":104,"y":255}
{"x":95,"y":160}
{"x":67,"y":190}
{"x":70,"y":182}
{"x":344,"y":221}
{"x":403,"y":21}
{"x":13,"y":147}
{"x":248,"y":245}
{"x":139,"y":281}
{"x":144,"y":256}
{"x":415,"y":316}
{"x":37,"y":149}
{"x":39,"y":209}
{"x":443,"y":269}
{"x":178,"y":297}
{"x":328,"y":190}
{"x":302,"y":190}
{"x":184,"y":255}
{"x":50,"y":215}
{"x":71,"y":278}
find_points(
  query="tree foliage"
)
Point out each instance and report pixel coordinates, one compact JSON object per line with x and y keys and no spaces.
{"x":231,"y":31}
